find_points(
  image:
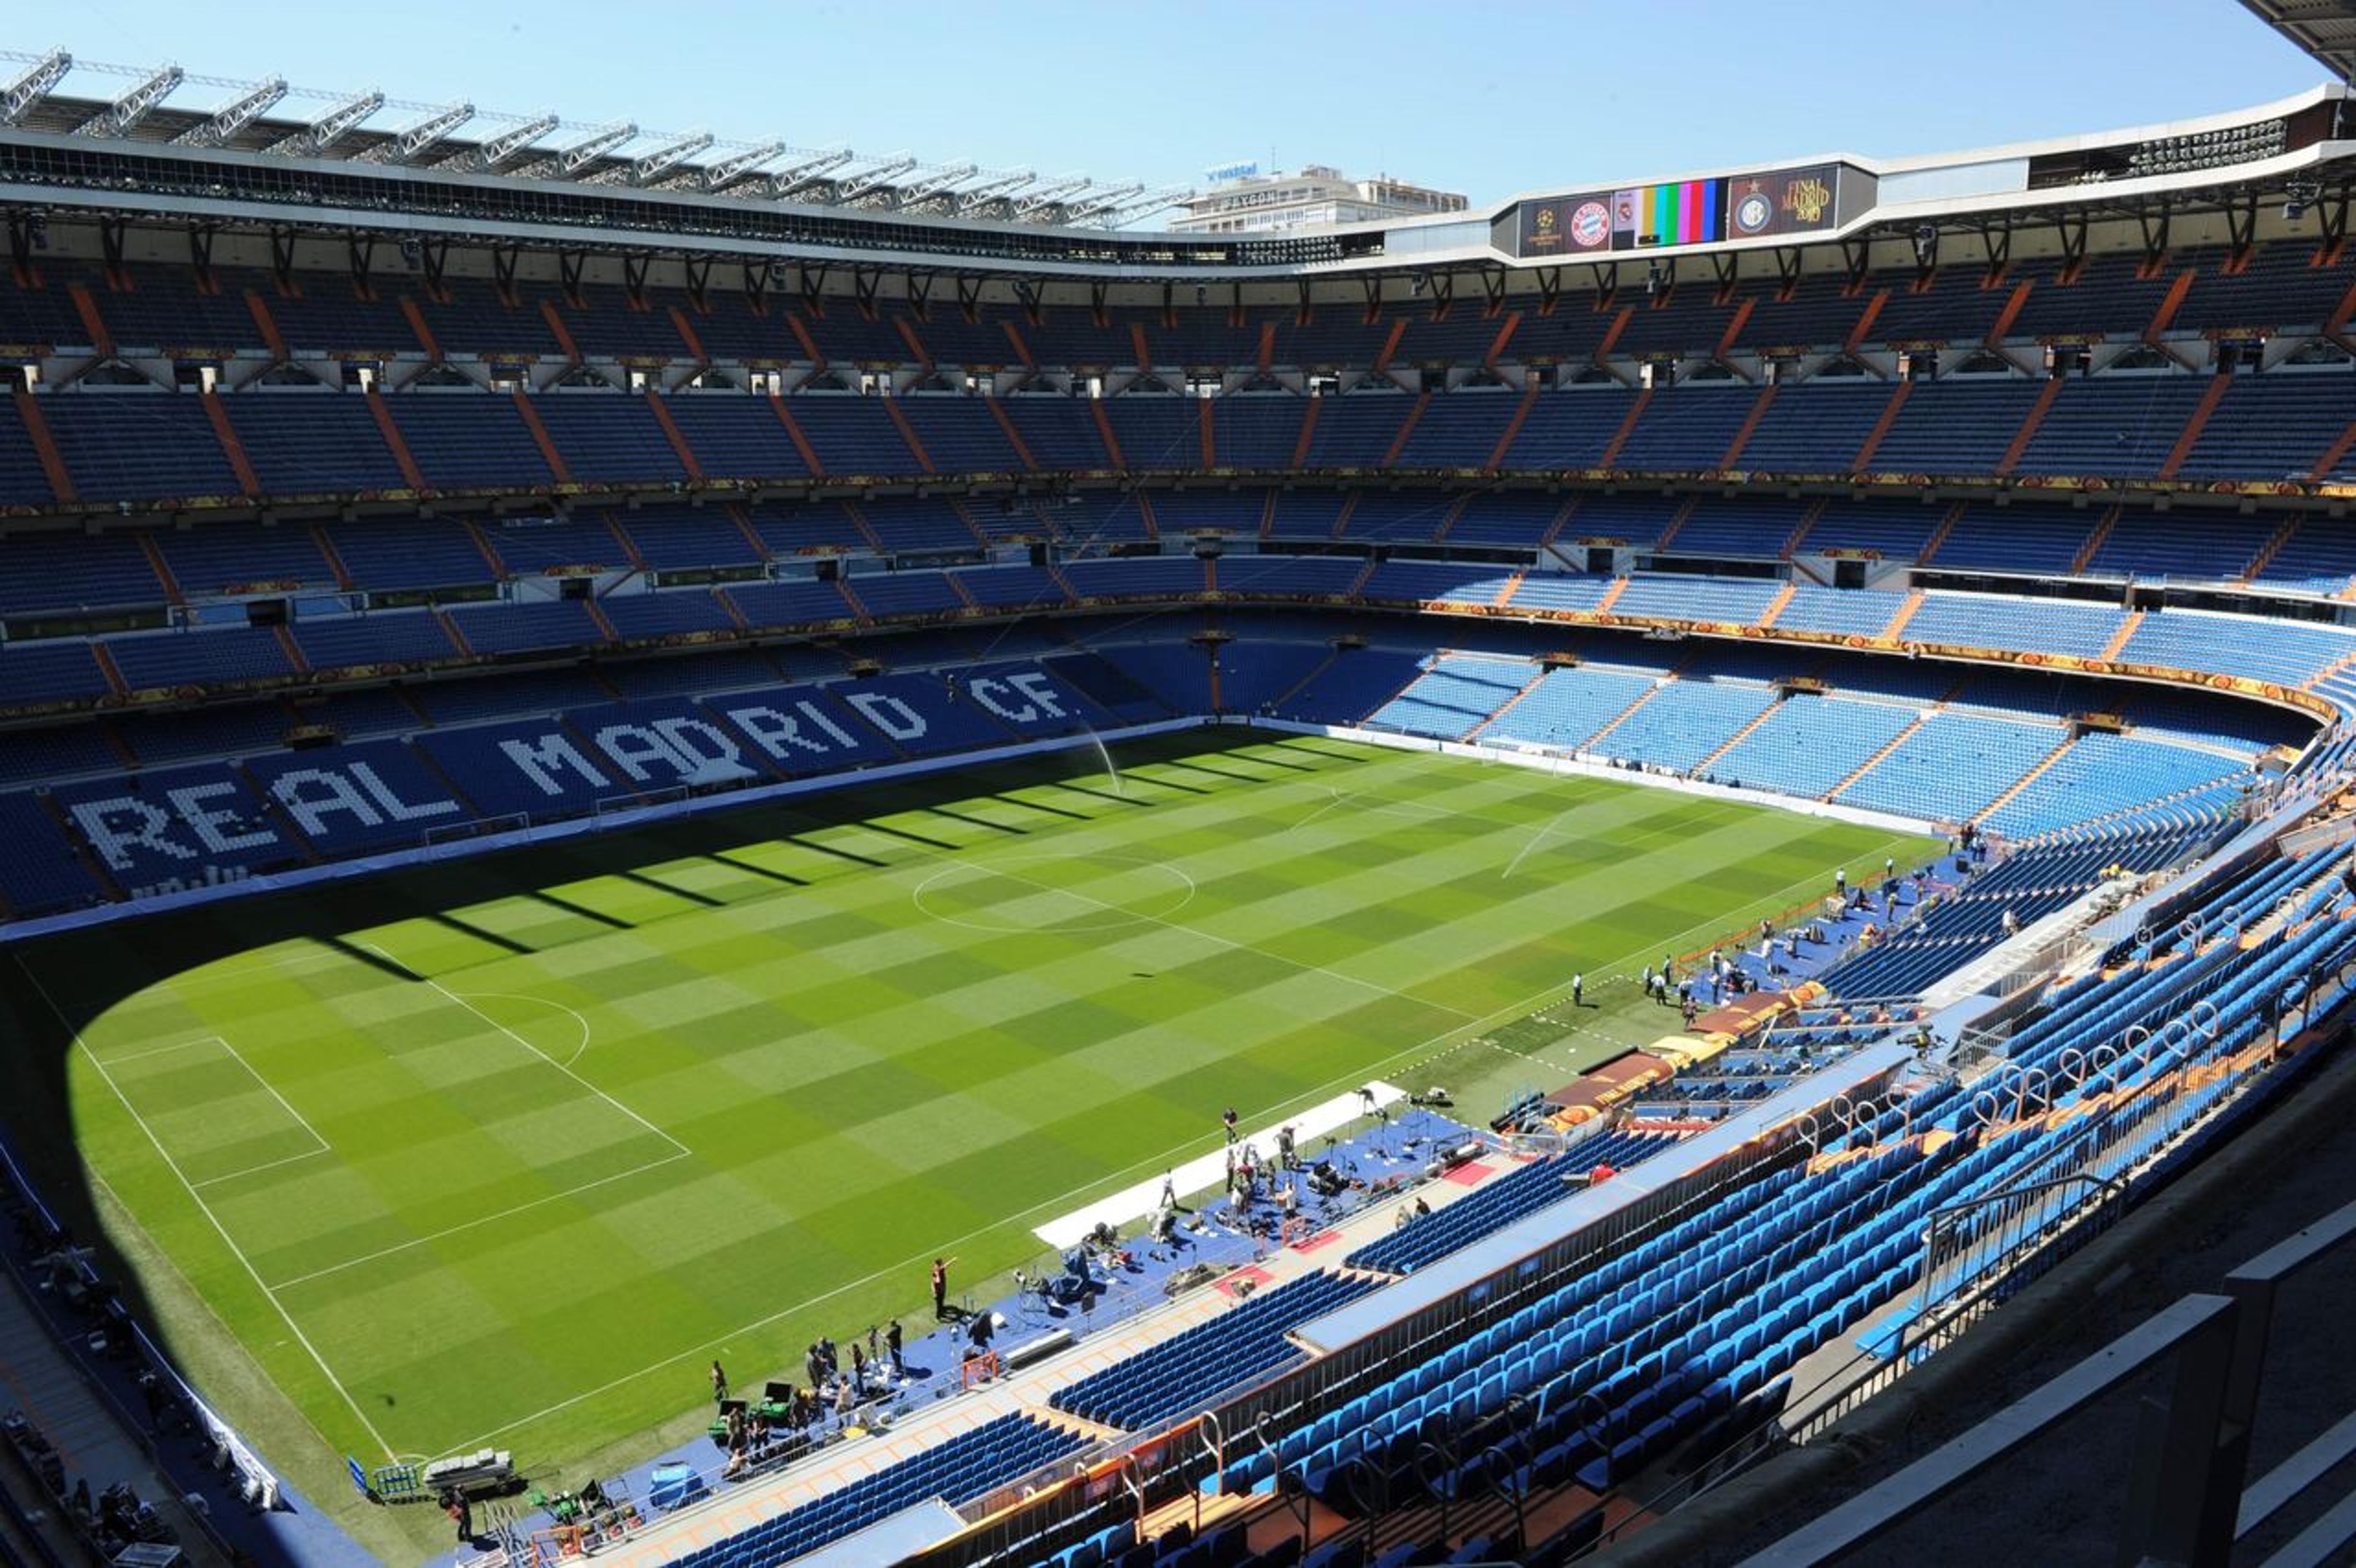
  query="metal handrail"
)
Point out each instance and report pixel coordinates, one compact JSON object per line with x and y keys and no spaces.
{"x":2184,"y":1476}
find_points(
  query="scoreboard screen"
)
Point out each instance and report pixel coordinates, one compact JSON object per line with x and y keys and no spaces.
{"x":1680,"y":212}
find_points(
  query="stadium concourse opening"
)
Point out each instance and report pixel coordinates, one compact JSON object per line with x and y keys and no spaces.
{"x":972,"y":888}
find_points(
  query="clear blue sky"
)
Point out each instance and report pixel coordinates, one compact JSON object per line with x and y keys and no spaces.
{"x":1489,"y":96}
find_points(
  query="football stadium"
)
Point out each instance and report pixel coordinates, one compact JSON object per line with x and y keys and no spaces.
{"x":721,"y":854}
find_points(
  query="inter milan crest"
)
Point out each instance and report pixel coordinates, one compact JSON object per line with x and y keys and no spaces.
{"x":1752,"y":210}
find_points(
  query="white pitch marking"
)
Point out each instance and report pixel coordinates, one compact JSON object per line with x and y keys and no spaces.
{"x":271,"y":1091}
{"x":265,"y":1164}
{"x":165,"y":1050}
{"x":205,"y":1208}
{"x":1544,"y":829}
{"x":432,"y":1237}
{"x":578,"y":1050}
{"x":1228,"y":943}
{"x":519,"y":1040}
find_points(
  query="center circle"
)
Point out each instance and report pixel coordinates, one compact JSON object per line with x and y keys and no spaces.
{"x":1019,"y":893}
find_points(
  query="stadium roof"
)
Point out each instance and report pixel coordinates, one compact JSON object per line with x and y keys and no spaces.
{"x":2326,"y":29}
{"x":58,"y":93}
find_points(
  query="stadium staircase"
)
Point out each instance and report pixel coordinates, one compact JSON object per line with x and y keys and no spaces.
{"x":1677,"y":521}
{"x":44,"y":446}
{"x":1630,"y":712}
{"x":2119,"y":639}
{"x":1939,"y":535}
{"x":2334,"y":455}
{"x":1513,"y":430}
{"x":2273,"y":545}
{"x":1895,"y":630}
{"x":2094,"y":541}
{"x":1628,"y":425}
{"x":2013,"y":454}
{"x":2025,"y":780}
{"x":1741,"y":735}
{"x":1863,"y":462}
{"x":1537,"y":677}
{"x":2198,"y":420}
{"x":1874,"y":760}
{"x":1758,"y":405}
{"x":1799,"y":534}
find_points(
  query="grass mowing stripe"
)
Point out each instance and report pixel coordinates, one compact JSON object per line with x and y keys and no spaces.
{"x":857,"y":1077}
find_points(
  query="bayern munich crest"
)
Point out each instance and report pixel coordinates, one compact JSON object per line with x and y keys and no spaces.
{"x":1591,"y":226}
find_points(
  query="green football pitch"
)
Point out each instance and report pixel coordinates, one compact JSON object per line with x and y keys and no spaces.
{"x":503,"y":1150}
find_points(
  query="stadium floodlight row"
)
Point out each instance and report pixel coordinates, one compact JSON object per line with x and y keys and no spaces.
{"x":367,"y":497}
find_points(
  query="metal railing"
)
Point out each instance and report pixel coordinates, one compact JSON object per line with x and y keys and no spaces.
{"x":2186,"y":1501}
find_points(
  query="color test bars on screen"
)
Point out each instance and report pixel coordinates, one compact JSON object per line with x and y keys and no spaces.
{"x":1683,"y":213}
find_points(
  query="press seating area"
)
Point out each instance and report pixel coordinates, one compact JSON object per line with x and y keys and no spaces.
{"x":957,"y":1471}
{"x":1182,"y":1374}
{"x":1501,"y":1200}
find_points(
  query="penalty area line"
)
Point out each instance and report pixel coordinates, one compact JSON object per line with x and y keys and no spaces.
{"x":207,"y":1209}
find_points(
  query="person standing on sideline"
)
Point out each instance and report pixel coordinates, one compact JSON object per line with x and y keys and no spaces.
{"x":1840,"y":881}
{"x":940,"y":1290}
{"x":1578,"y":990}
{"x":892,"y":1344}
{"x":1227,"y":1120}
{"x":719,"y":1384}
{"x":858,"y":1371}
